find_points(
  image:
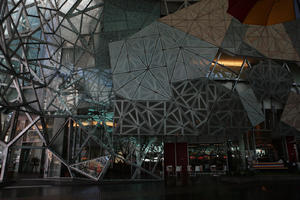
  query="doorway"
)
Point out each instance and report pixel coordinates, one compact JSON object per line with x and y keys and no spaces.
{"x":26,"y":162}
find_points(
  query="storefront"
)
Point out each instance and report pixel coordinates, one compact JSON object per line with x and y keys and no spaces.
{"x":208,"y":156}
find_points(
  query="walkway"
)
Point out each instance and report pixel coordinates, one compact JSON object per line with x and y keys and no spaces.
{"x":154,"y":191}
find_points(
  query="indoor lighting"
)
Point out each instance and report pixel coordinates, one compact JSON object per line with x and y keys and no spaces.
{"x":111,"y":124}
{"x":94,"y":123}
{"x":233,"y":63}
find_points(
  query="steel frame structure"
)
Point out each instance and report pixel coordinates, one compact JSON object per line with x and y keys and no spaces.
{"x":62,"y":75}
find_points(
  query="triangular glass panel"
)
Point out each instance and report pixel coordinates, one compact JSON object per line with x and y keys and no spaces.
{"x":93,"y":168}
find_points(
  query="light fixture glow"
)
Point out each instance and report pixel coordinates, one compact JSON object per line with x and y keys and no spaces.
{"x":232,"y":63}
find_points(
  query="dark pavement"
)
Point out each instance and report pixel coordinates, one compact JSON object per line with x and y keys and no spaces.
{"x":155,"y":191}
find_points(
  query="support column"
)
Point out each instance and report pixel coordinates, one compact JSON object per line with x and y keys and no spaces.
{"x":254,"y":144}
{"x":242,"y":151}
{"x":4,"y":161}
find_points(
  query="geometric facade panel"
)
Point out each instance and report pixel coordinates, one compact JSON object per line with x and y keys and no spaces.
{"x":252,"y":106}
{"x":272,"y":41}
{"x":291,"y":112}
{"x":199,"y":107}
{"x":234,"y":40}
{"x":122,"y":19}
{"x":63,"y":70}
{"x":145,"y":64}
{"x":124,"y":15}
{"x":293,"y":30}
{"x":228,"y":116}
{"x":270,"y":80}
{"x":207,"y":20}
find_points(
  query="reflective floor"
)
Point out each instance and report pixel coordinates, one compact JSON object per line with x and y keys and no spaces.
{"x":155,"y":191}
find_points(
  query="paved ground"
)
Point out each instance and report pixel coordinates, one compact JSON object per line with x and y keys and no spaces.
{"x":155,"y":191}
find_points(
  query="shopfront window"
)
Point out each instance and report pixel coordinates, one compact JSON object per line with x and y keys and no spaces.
{"x":208,"y":156}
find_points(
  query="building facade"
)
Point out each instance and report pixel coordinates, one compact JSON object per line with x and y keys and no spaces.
{"x":114,"y":89}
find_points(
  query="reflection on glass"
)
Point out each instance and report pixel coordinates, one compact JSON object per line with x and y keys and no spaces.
{"x":93,"y":167}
